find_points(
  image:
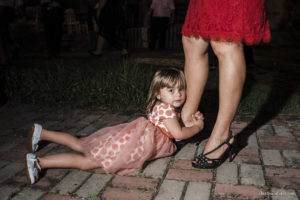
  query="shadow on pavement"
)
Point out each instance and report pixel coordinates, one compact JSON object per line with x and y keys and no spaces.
{"x":264,"y":115}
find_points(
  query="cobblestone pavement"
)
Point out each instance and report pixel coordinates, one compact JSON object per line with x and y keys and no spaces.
{"x":266,"y":167}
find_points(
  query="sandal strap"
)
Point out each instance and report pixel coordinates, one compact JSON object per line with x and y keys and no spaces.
{"x":206,"y":163}
{"x":37,"y":165}
{"x":226,"y":142}
{"x":210,"y":159}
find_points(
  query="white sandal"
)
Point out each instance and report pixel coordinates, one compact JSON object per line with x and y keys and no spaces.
{"x":33,"y":168}
{"x":34,"y":137}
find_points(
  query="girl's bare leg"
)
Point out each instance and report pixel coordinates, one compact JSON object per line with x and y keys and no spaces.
{"x":196,"y":72}
{"x":232,"y":69}
{"x":65,"y":139}
{"x":67,"y":160}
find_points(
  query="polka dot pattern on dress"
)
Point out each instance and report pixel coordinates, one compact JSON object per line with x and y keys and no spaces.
{"x":107,"y":150}
{"x":160,"y":112}
{"x":138,"y":151}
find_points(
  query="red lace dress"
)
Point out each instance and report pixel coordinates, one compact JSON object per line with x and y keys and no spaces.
{"x":126,"y":147}
{"x":228,"y":20}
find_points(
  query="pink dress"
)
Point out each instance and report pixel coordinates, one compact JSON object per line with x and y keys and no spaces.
{"x":124,"y":148}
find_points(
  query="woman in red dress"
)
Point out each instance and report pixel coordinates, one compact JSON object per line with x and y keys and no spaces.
{"x":226,"y":25}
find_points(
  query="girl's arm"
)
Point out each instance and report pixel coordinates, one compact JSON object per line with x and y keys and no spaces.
{"x":181,"y":133}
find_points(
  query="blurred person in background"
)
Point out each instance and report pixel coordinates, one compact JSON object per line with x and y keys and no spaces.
{"x":7,"y":44}
{"x":52,"y":14}
{"x":8,"y":47}
{"x":92,"y":24}
{"x":112,"y":24}
{"x":162,"y":14}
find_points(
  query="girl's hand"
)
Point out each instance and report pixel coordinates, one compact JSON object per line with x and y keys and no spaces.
{"x":181,"y":133}
{"x":198,"y":120}
{"x":199,"y":115}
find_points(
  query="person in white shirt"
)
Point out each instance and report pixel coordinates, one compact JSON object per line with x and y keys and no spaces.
{"x":162,"y":14}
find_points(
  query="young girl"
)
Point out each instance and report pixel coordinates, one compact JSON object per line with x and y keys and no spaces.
{"x":126,"y":147}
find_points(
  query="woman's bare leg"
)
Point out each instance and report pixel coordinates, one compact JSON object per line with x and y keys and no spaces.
{"x":65,"y":139}
{"x":99,"y":45}
{"x":196,"y":72}
{"x":67,"y":160}
{"x":232,"y":69}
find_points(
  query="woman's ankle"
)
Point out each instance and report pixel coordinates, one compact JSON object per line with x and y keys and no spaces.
{"x":221,"y":132}
{"x":186,"y":116}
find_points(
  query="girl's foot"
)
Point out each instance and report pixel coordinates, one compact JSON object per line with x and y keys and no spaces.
{"x":33,"y":168}
{"x":34,"y":137}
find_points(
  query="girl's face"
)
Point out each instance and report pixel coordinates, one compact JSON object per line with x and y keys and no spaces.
{"x":174,"y":95}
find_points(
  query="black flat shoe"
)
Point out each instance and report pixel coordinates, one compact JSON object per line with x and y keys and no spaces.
{"x":180,"y":144}
{"x":96,"y":55}
{"x":203,"y":162}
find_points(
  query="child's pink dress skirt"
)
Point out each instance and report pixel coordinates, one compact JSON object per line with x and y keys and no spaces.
{"x":124,"y":148}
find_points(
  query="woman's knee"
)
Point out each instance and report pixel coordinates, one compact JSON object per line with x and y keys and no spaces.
{"x":186,"y":41}
{"x":195,"y":45}
{"x":222,"y":49}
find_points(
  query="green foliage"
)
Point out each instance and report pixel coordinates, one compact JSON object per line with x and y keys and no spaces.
{"x":116,"y":84}
{"x":123,"y":86}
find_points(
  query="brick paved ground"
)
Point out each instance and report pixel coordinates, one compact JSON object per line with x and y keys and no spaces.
{"x":267,"y":167}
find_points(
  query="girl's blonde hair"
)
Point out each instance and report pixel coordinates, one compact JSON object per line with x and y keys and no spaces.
{"x":163,"y":78}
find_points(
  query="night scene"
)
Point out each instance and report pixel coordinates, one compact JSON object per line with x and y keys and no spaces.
{"x":149,"y":99}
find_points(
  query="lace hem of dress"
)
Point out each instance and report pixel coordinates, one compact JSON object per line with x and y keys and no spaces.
{"x":229,"y":37}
